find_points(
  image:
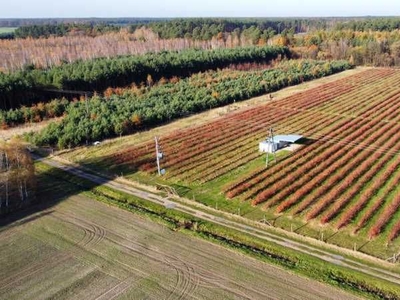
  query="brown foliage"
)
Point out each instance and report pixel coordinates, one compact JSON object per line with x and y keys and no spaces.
{"x":174,"y":80}
{"x":136,"y":120}
{"x":108,"y":92}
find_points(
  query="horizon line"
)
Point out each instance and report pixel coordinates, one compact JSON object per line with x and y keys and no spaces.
{"x":206,"y":17}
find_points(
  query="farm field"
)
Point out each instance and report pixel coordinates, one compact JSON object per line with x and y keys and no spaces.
{"x":84,"y":249}
{"x":132,"y":163}
{"x":341,"y":186}
{"x":7,"y":29}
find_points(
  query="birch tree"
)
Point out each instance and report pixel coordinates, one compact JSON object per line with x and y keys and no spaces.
{"x":17,"y":176}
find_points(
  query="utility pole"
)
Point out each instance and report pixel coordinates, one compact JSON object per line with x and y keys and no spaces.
{"x":159,"y":155}
{"x":271,"y":144}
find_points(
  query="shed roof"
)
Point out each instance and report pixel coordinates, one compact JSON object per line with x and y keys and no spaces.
{"x":291,"y":138}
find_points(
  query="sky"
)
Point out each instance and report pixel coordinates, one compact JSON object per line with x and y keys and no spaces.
{"x":196,"y":8}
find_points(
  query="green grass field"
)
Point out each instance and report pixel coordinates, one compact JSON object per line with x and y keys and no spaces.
{"x":7,"y":29}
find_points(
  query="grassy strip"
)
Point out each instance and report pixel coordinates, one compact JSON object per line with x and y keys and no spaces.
{"x":299,"y":263}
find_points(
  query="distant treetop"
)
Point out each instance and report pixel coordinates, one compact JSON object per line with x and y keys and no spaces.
{"x":197,"y":28}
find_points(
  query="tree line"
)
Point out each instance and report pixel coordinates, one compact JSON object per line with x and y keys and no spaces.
{"x":17,"y":22}
{"x":372,"y":48}
{"x":193,"y":28}
{"x":13,"y":22}
{"x":197,"y":28}
{"x":103,"y":117}
{"x":28,"y":86}
{"x":205,"y":29}
{"x":370,"y":24}
{"x":45,"y":31}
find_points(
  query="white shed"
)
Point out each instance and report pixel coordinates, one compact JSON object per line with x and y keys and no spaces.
{"x":267,"y":146}
{"x":279,"y":141}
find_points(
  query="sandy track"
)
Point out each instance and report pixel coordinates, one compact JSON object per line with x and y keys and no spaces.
{"x":136,"y":258}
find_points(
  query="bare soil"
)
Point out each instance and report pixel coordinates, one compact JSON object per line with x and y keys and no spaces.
{"x":84,"y":249}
